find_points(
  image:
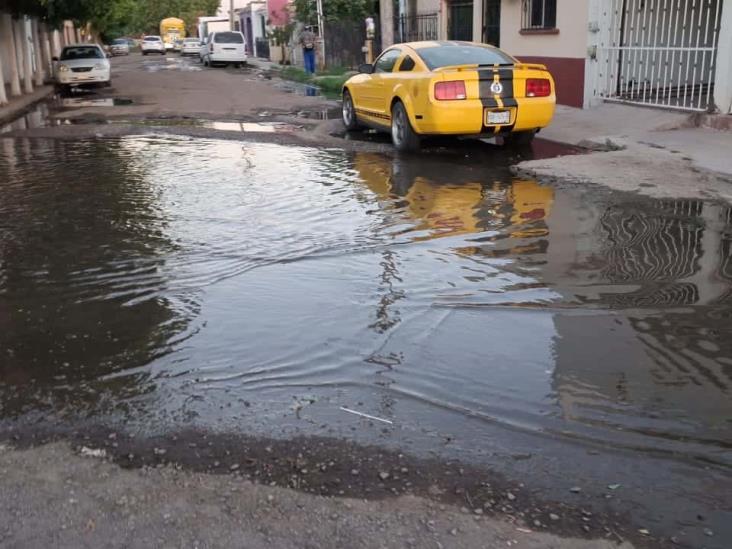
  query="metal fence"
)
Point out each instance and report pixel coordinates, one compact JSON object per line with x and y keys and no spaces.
{"x":659,"y":52}
{"x":344,"y":42}
{"x":262,"y":47}
{"x":412,"y":28}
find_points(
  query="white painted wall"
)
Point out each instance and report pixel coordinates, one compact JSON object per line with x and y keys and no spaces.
{"x":223,"y":10}
{"x":723,"y":76}
{"x":427,"y":6}
{"x":572,"y":17}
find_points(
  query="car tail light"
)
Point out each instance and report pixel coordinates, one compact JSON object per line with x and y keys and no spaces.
{"x":538,"y":87}
{"x":448,"y":91}
{"x":211,"y":47}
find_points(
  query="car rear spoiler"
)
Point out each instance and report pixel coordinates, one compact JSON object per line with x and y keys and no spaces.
{"x":519,"y":65}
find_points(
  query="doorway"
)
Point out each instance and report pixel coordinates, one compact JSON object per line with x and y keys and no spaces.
{"x":460,"y":20}
{"x":492,"y":22}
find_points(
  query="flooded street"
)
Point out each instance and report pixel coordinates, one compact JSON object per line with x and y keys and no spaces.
{"x":176,"y":276}
{"x":159,"y":283}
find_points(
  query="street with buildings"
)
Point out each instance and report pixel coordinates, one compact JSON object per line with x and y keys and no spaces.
{"x":226,"y":321}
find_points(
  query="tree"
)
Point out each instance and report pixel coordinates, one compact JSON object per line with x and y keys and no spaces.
{"x":334,"y":10}
{"x":112,"y":18}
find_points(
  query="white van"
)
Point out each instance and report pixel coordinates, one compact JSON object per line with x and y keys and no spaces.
{"x":224,"y":47}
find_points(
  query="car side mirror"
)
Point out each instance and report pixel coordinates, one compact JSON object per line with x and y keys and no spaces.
{"x":366,"y":68}
{"x":54,"y":58}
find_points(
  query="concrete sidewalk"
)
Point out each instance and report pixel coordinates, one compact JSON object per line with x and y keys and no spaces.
{"x":631,"y":126}
{"x":20,"y":104}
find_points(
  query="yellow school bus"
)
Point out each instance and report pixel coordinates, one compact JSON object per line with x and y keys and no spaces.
{"x":172,"y":29}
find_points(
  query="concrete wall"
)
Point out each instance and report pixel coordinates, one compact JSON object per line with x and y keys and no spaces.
{"x":423,"y":6}
{"x":26,"y":47}
{"x":569,"y":42}
{"x":723,"y":75}
{"x":563,"y":51}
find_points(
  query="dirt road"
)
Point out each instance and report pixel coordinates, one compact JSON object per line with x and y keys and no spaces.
{"x":172,"y":85}
{"x":54,"y":498}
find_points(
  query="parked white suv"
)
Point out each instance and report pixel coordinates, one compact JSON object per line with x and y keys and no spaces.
{"x":81,"y":65}
{"x":152,"y":44}
{"x":225,"y":48}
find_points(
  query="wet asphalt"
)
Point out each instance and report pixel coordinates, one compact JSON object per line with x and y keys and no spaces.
{"x":568,"y":344}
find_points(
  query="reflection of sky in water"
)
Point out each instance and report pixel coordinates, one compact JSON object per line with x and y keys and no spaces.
{"x":408,"y":285}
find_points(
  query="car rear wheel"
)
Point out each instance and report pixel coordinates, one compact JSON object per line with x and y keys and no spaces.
{"x":403,"y":136}
{"x":350,"y":120}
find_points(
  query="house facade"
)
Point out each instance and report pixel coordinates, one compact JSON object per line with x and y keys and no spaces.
{"x":675,"y":54}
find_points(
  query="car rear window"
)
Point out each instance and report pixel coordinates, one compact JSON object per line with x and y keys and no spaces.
{"x":81,"y":52}
{"x":119,"y":42}
{"x":152,"y":39}
{"x":228,"y":38}
{"x":463,"y":54}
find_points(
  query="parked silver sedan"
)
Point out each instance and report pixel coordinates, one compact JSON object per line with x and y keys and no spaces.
{"x":190,"y":46}
{"x":120,"y":46}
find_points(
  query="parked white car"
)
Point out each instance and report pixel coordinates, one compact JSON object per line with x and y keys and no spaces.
{"x":190,"y":46}
{"x":225,"y":47}
{"x":82,"y":65}
{"x":152,"y":44}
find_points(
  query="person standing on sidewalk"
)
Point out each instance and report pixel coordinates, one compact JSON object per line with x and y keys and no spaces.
{"x":307,"y":41}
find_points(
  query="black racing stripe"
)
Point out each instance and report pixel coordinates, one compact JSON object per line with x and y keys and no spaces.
{"x":507,"y":94}
{"x":505,"y":76}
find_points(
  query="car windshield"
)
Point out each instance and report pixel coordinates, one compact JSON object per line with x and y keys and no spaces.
{"x":229,"y":38}
{"x":119,"y":42}
{"x":81,"y":52}
{"x":463,"y":54}
{"x":152,"y":39}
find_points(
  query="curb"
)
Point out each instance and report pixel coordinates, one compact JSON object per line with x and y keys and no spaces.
{"x":20,"y":105}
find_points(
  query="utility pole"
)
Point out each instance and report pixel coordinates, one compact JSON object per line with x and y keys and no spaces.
{"x":321,"y":29}
{"x":231,"y":15}
{"x":386,"y":13}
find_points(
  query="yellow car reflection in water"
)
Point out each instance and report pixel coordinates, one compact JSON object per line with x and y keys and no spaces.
{"x":460,"y":205}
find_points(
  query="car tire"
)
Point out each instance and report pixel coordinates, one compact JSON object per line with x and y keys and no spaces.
{"x":519,"y":139}
{"x":348,"y":113}
{"x":144,"y":53}
{"x":403,"y":136}
{"x":206,"y":62}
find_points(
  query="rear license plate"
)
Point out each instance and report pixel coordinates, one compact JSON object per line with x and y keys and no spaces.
{"x":494,"y":118}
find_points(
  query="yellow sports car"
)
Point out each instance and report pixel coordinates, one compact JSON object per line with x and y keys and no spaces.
{"x":449,"y":88}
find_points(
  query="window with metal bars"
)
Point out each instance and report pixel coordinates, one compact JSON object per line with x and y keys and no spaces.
{"x":539,"y":14}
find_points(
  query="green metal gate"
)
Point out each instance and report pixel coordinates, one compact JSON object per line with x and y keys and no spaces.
{"x":460,"y":22}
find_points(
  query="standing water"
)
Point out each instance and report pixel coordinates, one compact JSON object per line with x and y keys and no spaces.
{"x":169,"y":281}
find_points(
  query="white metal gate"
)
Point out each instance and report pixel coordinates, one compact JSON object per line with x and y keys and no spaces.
{"x":659,"y":52}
